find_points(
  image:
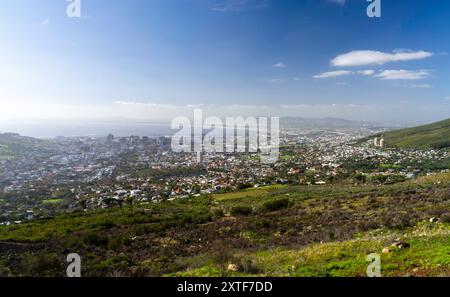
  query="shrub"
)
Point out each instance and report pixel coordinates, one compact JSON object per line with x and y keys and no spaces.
{"x":446,"y":217}
{"x":248,"y":266}
{"x":217,"y":212}
{"x":241,"y":211}
{"x":108,"y":224}
{"x":115,"y":242}
{"x":41,"y":265}
{"x":275,"y":205}
{"x":244,"y":186}
{"x":222,"y":255}
{"x":144,"y":229}
{"x":114,"y":263}
{"x":264,"y":223}
{"x":95,"y":239}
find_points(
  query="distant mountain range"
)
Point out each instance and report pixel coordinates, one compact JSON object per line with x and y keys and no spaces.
{"x":436,"y":135}
{"x":49,"y":129}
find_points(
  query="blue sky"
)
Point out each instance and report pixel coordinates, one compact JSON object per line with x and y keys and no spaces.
{"x":155,"y":59}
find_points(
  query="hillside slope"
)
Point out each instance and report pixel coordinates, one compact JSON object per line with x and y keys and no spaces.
{"x":12,"y":144}
{"x":270,"y":231}
{"x":436,"y":135}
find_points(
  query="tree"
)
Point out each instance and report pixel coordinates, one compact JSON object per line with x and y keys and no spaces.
{"x":120,"y":203}
{"x":109,"y":202}
{"x":360,"y":178}
{"x":130,"y":200}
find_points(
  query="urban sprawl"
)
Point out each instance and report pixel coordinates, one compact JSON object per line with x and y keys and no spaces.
{"x":67,"y":174}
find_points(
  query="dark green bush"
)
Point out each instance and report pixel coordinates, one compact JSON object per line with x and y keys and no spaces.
{"x":114,"y":263}
{"x":145,"y":229}
{"x":445,"y":217}
{"x":108,"y":224}
{"x":95,"y":239}
{"x":264,"y":223}
{"x":115,"y":242}
{"x":241,"y":211}
{"x":244,"y":186}
{"x":42,"y":265}
{"x":274,"y":205}
{"x":217,"y":212}
{"x":248,"y":266}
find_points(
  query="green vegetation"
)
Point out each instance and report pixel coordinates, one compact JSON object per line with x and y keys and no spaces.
{"x":241,"y":211}
{"x":390,"y":166}
{"x":270,"y":231}
{"x":428,"y":255}
{"x":52,"y":201}
{"x":274,"y":205}
{"x":13,"y":144}
{"x":4,"y":152}
{"x":149,"y":218}
{"x":436,"y":135}
{"x":248,"y":193}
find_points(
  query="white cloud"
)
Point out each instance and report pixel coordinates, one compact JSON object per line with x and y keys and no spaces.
{"x":367,"y":57}
{"x":333,"y":74}
{"x":366,"y":72}
{"x":341,"y":84}
{"x":344,"y":72}
{"x":280,"y":65}
{"x":403,"y":74}
{"x":385,"y":75}
{"x":447,"y":98}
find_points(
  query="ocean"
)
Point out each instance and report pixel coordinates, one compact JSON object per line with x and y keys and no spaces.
{"x":95,"y":129}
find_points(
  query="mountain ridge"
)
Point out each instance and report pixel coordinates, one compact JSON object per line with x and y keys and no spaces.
{"x":431,"y":136}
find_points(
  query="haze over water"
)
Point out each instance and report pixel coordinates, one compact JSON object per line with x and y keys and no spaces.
{"x":71,"y":129}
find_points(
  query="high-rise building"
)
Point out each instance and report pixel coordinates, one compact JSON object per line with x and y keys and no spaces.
{"x":200,"y":158}
{"x":379,"y":142}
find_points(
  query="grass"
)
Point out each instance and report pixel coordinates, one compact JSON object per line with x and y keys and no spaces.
{"x":390,"y":166}
{"x":52,"y":201}
{"x":240,"y":195}
{"x":274,"y":231}
{"x":443,"y":178}
{"x":248,"y":193}
{"x":429,"y":254}
{"x":164,"y":215}
{"x":436,"y":135}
